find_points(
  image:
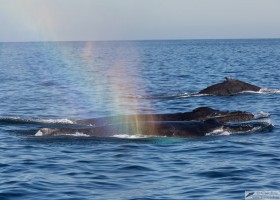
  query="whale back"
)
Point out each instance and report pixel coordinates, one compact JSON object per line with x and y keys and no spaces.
{"x":204,"y":113}
{"x":229,"y":87}
{"x":169,"y":129}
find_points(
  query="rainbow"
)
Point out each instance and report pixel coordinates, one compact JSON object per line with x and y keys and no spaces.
{"x":99,"y":86}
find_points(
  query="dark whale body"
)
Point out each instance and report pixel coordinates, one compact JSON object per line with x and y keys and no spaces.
{"x":199,"y":122}
{"x":230,"y":87}
{"x":201,"y":113}
{"x":169,"y":129}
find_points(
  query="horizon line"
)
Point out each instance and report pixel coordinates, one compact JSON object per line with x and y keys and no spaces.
{"x":135,"y":40}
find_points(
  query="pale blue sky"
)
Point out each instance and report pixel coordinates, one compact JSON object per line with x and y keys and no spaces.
{"x":52,"y":20}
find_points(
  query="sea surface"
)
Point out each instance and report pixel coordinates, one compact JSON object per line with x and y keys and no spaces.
{"x":56,"y":83}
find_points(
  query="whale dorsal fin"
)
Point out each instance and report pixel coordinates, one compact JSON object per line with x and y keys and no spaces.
{"x":227,"y":79}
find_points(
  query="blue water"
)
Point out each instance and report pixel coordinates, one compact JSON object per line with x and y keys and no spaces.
{"x":61,"y":81}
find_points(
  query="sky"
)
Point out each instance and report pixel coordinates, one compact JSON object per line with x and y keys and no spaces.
{"x":91,"y":20}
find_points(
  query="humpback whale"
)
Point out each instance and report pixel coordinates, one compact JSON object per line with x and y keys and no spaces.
{"x":201,"y":113}
{"x":230,"y":87}
{"x":169,"y":129}
{"x":199,"y":122}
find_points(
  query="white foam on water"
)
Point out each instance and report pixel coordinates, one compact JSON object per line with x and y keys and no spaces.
{"x":39,"y":133}
{"x":79,"y":134}
{"x":37,"y":120}
{"x":54,"y":121}
{"x":261,"y":115}
{"x":76,"y":134}
{"x":264,"y":91}
{"x":126,"y":136}
{"x":171,"y":96}
{"x":186,"y":95}
{"x":268,"y":122}
{"x":217,"y":132}
{"x":259,"y":127}
{"x":269,"y":91}
{"x":200,"y":95}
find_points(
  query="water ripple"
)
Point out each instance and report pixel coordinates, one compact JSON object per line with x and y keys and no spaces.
{"x":83,"y":80}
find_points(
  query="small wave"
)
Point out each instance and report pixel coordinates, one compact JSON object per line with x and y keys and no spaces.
{"x":81,"y":134}
{"x":264,"y":125}
{"x":55,"y":121}
{"x":218,"y":132}
{"x":263,"y":91}
{"x":256,"y":127}
{"x":19,"y":120}
{"x":126,"y":136}
{"x":76,"y":134}
{"x":261,"y":115}
{"x":187,"y":95}
{"x":269,"y":91}
{"x":39,"y":133}
{"x":172,"y":96}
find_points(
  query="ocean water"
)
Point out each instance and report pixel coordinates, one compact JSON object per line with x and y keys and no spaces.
{"x":56,"y":83}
